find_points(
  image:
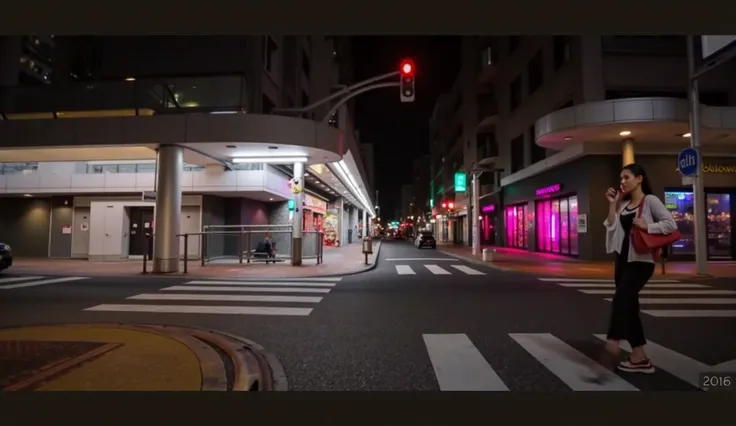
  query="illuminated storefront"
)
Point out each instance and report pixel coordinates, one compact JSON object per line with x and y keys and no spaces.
{"x":516,"y":226}
{"x":557,"y":230}
{"x":719,"y":222}
{"x":314,"y":212}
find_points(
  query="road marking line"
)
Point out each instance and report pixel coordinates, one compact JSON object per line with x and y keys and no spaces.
{"x":314,"y":279}
{"x":227,"y":298}
{"x":694,"y":313}
{"x":184,"y":309}
{"x":459,"y":365}
{"x":404,"y":270}
{"x":425,"y":259}
{"x":435,"y":269}
{"x":467,"y":270}
{"x":595,"y":280}
{"x":677,"y":364}
{"x":44,"y":282}
{"x":685,"y":301}
{"x":16,"y":279}
{"x":571,"y":366}
{"x":612,"y":285}
{"x":261,"y":283}
{"x":248,"y":289}
{"x":669,"y":292}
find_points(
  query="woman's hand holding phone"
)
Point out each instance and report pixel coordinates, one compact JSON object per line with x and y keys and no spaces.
{"x":612,"y":196}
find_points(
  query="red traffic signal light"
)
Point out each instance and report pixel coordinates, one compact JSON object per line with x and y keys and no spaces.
{"x":444,"y":205}
{"x":451,"y":205}
{"x":407,"y":67}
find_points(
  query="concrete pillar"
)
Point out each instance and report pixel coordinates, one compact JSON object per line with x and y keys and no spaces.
{"x":169,"y":172}
{"x":297,"y":224}
{"x":627,"y":151}
{"x":365,"y":223}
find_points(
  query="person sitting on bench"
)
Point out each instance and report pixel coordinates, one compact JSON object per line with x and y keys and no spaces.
{"x":266,"y":248}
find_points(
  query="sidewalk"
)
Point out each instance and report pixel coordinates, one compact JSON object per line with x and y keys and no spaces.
{"x":343,"y":260}
{"x":105,"y":357}
{"x":553,"y":265}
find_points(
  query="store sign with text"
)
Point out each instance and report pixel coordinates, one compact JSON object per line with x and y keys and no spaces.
{"x":315,"y":204}
{"x":719,"y":168}
{"x":547,"y":190}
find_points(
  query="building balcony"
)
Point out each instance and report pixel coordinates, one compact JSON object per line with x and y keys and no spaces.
{"x":487,"y":112}
{"x":657,"y":122}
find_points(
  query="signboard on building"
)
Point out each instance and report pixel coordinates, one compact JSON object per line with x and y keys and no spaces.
{"x":582,"y":224}
{"x":461,"y":182}
{"x":315,"y":204}
{"x":149,"y":196}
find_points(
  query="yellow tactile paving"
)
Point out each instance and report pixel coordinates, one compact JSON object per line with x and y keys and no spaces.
{"x":144,"y":361}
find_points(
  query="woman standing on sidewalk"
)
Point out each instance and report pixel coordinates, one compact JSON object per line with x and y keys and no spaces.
{"x":633,"y":270}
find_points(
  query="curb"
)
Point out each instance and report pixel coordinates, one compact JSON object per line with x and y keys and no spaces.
{"x":254,"y":368}
{"x":180,"y":275}
{"x":479,"y":262}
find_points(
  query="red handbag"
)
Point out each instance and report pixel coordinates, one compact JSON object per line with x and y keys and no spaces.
{"x":644,"y":242}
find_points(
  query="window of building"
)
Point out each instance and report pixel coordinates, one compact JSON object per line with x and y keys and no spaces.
{"x":270,"y":50}
{"x":268,"y":105}
{"x":557,"y":230}
{"x":517,"y":154}
{"x":514,"y":43}
{"x":516,"y":232}
{"x":535,"y":71}
{"x":306,"y":66}
{"x":562,"y":50}
{"x":515,"y":93}
{"x":718,"y":222}
{"x":538,"y":153}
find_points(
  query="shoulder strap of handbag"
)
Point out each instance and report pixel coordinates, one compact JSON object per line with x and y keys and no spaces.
{"x":641,"y":207}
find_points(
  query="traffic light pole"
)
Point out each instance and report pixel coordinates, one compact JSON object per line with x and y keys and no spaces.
{"x":351,"y":95}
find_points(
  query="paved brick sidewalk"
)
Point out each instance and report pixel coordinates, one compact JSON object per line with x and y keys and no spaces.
{"x":551,"y":265}
{"x":336,"y":261}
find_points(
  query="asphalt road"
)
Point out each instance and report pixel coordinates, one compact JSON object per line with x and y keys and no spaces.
{"x":421,"y":320}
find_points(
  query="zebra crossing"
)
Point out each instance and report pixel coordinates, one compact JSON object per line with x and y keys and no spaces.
{"x":275,"y":297}
{"x":460,"y":366}
{"x":664,"y":298}
{"x":26,"y":281}
{"x":437,"y":270}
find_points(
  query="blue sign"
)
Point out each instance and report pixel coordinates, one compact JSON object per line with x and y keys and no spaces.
{"x":687,"y":162}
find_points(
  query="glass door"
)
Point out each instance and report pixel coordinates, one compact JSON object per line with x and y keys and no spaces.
{"x":719,"y":226}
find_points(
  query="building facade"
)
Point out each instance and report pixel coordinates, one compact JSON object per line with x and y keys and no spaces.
{"x":572,"y":110}
{"x":211,"y":117}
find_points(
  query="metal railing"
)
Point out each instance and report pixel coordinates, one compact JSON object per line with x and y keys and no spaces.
{"x":229,"y":242}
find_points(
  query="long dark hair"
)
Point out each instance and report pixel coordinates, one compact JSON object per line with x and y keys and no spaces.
{"x":637,"y":171}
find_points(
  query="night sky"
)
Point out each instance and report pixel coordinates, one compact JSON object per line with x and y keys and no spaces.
{"x":400,"y":131}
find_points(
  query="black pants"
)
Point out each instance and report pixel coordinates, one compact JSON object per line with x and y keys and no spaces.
{"x":625,"y":322}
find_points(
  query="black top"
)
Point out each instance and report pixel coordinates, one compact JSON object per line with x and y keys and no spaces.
{"x":627,"y":223}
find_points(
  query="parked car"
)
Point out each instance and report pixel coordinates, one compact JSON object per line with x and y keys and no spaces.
{"x":6,"y":256}
{"x":425,"y":239}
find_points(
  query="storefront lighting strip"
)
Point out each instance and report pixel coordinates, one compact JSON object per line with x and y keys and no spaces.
{"x":275,"y":159}
{"x":342,"y":168}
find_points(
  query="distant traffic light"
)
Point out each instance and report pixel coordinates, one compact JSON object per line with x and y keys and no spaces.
{"x":451,"y":206}
{"x":444,"y":205}
{"x":407,"y":81}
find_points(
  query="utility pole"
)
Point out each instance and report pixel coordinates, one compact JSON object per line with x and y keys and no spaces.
{"x":701,"y":236}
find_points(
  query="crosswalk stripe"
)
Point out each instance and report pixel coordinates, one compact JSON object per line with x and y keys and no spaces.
{"x":16,"y":279}
{"x":571,"y":366}
{"x":43,"y":282}
{"x":310,"y":279}
{"x":677,"y":364}
{"x":190,"y":309}
{"x":691,"y":313}
{"x":685,"y":301}
{"x":669,"y":292}
{"x":247,"y":289}
{"x":459,"y":365}
{"x":591,"y":280}
{"x":612,"y":285}
{"x":435,"y":269}
{"x":467,"y":270}
{"x":262,"y":283}
{"x":424,"y":259}
{"x":404,"y":270}
{"x":226,"y":298}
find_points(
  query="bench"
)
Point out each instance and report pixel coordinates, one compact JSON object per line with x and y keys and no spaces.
{"x":263,"y":252}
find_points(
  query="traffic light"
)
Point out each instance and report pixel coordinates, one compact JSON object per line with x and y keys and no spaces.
{"x":407,"y":81}
{"x":444,"y":205}
{"x":451,"y":205}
